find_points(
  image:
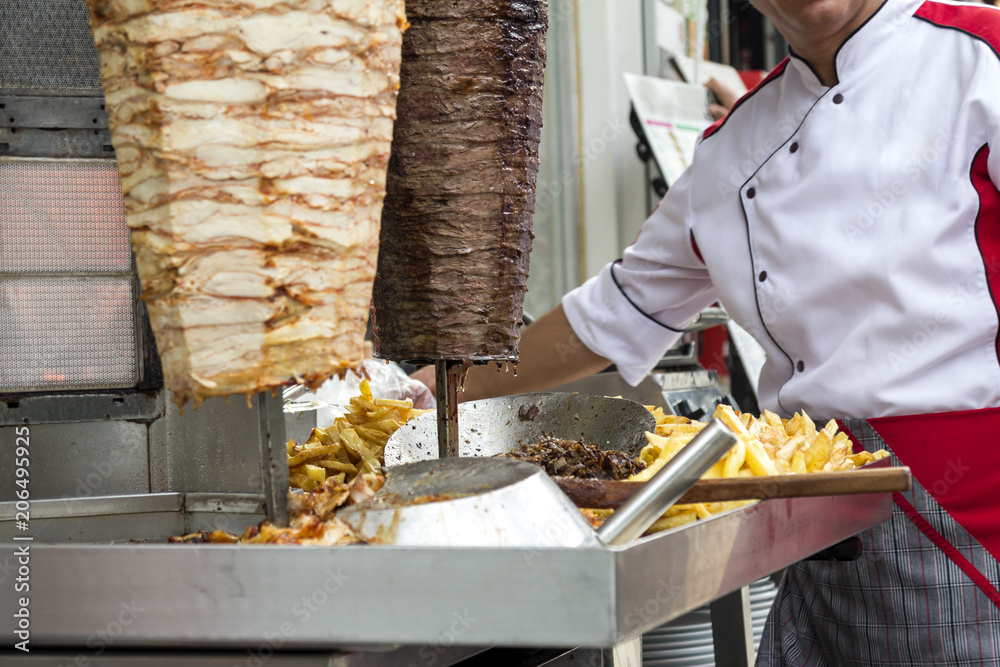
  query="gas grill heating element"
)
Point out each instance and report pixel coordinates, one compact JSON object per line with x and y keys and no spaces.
{"x":62,"y":216}
{"x":67,"y":294}
{"x":47,"y":46}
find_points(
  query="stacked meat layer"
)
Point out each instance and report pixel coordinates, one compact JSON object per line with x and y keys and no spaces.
{"x":456,"y":228}
{"x":252,"y":138}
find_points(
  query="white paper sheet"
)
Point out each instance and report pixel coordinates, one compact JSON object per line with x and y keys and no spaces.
{"x":673,"y":116}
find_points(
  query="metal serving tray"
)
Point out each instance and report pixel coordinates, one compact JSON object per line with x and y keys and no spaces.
{"x":233,"y":596}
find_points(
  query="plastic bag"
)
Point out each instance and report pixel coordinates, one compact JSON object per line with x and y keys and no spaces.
{"x":387,"y":380}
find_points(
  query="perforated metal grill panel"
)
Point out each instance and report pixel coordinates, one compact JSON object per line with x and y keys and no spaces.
{"x":67,"y":307}
{"x":47,"y":44}
{"x":62,"y":217}
{"x":66,"y":333}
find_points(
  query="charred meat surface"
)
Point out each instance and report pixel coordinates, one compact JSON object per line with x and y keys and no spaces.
{"x":577,"y":458}
{"x":456,"y":226}
{"x":527,"y":413}
{"x":252,"y":140}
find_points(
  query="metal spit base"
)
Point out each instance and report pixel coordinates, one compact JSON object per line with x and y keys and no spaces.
{"x":380,"y":597}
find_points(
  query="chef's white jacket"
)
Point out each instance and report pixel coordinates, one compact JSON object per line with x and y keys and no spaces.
{"x":854,"y":231}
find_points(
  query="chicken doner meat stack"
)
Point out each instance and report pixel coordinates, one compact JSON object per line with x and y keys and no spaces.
{"x":456,"y":227}
{"x":252,"y":140}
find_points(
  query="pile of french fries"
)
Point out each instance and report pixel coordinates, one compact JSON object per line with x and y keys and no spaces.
{"x":352,"y":445}
{"x":767,"y":445}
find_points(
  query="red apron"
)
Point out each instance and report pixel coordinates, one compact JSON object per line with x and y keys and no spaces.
{"x":927,"y":588}
{"x":955,"y":456}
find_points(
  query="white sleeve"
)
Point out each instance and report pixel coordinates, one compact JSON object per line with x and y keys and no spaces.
{"x":636,"y":308}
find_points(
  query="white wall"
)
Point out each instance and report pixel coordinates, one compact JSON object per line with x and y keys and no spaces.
{"x":591,"y":194}
{"x":614,"y":190}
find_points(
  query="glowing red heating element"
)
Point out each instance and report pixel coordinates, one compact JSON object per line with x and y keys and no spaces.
{"x":67,"y":301}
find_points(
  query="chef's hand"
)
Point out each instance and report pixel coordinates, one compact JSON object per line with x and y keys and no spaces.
{"x":726,"y":96}
{"x":550,"y":355}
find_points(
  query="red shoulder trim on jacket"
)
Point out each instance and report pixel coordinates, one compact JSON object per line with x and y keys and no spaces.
{"x":775,"y":73}
{"x":976,"y":20}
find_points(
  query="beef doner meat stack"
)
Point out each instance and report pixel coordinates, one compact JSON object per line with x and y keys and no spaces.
{"x":252,"y":140}
{"x":456,"y":228}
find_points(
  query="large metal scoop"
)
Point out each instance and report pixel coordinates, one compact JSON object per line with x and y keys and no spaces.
{"x":497,"y":502}
{"x":467,"y":502}
{"x":496,"y":425}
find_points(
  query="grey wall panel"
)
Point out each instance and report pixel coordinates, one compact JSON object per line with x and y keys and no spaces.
{"x":214,"y":448}
{"x":79,"y":460}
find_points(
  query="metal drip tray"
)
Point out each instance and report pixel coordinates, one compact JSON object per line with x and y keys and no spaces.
{"x":229,"y":596}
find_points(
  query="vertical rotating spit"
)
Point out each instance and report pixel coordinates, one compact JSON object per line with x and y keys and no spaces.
{"x":460,"y":191}
{"x":447,"y":378}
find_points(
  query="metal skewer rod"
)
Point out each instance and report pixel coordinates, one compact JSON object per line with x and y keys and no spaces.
{"x":447,"y":376}
{"x":640,"y":512}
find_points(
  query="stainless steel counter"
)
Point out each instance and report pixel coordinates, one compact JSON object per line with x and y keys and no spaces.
{"x":146,"y":596}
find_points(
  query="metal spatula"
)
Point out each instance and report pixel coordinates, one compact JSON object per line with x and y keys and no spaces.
{"x":496,"y":425}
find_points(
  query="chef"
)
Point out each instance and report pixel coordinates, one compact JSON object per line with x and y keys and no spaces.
{"x":846,"y":213}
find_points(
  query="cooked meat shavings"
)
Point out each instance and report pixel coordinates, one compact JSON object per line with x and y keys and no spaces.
{"x":303,"y":529}
{"x":527,"y":413}
{"x":213,"y":537}
{"x":312,"y":517}
{"x":460,"y":190}
{"x":253,"y":141}
{"x":596,"y":518}
{"x":577,"y":458}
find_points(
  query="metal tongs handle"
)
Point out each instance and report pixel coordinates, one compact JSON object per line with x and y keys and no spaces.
{"x":679,"y":474}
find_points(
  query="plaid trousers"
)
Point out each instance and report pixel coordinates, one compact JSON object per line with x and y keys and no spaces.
{"x":906,"y":601}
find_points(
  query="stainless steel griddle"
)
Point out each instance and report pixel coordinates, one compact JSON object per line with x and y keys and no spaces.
{"x":230,"y":596}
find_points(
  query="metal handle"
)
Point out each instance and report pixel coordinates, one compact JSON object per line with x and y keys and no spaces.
{"x":679,"y":474}
{"x":708,"y":318}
